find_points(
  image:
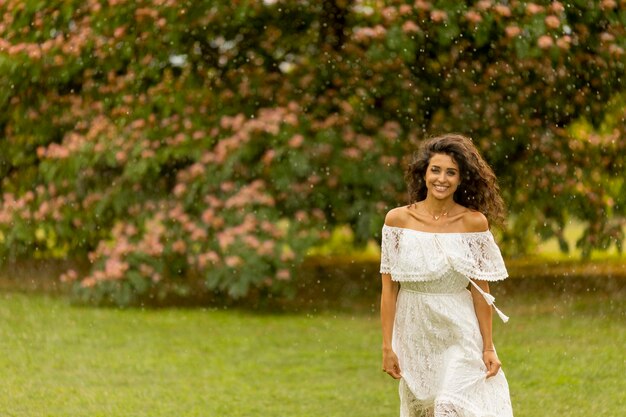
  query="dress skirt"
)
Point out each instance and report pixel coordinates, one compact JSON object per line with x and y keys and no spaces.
{"x":439,"y":347}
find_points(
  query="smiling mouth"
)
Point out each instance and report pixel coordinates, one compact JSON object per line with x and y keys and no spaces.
{"x":441,"y":187}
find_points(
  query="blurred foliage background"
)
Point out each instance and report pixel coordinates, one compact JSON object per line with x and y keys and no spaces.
{"x":186,"y":146}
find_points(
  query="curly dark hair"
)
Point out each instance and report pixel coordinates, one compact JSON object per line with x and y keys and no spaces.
{"x":478,"y":189}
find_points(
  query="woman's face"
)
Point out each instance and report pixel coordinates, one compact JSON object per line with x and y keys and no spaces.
{"x":442,"y":176}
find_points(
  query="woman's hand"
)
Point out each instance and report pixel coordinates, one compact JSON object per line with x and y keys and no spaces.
{"x":490,"y":358}
{"x":391,"y":365}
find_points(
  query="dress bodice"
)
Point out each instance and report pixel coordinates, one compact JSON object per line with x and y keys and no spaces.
{"x":441,"y":262}
{"x":412,"y":255}
{"x":452,"y":282}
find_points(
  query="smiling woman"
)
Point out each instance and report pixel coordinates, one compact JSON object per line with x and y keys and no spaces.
{"x":437,"y":334}
{"x":475,"y":186}
{"x":442,"y":180}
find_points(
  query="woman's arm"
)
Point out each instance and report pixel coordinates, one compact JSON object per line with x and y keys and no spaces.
{"x":484,"y":315}
{"x":388,"y":297}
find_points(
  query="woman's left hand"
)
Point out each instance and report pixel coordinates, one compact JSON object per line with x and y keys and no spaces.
{"x":490,"y":358}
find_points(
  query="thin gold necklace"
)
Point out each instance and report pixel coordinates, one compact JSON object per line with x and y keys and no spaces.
{"x":443,"y":214}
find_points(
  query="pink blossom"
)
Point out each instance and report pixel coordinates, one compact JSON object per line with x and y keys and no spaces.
{"x":130,"y":229}
{"x":212,"y":256}
{"x":34,"y":52}
{"x":227,"y":186}
{"x":296,"y":141}
{"x":557,"y":7}
{"x":178,"y":139}
{"x":179,"y":246}
{"x":69,"y":276}
{"x":473,"y":16}
{"x":545,"y":42}
{"x":410,"y":27}
{"x":512,"y":31}
{"x":502,"y":10}
{"x":314,"y":179}
{"x":405,"y":9}
{"x":564,"y":42}
{"x":318,"y":214}
{"x":532,"y":8}
{"x":616,"y":50}
{"x":120,"y":157}
{"x":88,"y":282}
{"x":552,"y":22}
{"x":283,"y":275}
{"x":179,"y":189}
{"x":225,"y":239}
{"x":438,"y":16}
{"x":484,"y":5}
{"x":250,"y":194}
{"x":233,"y":261}
{"x":119,"y":32}
{"x":205,"y":258}
{"x":606,"y":37}
{"x":91,"y":199}
{"x":267,"y":227}
{"x":352,"y":153}
{"x":366,"y":33}
{"x":146,"y":270}
{"x":114,"y":268}
{"x":389,"y":13}
{"x":56,"y":151}
{"x":143,"y":12}
{"x":266,"y":248}
{"x":198,"y":234}
{"x":252,"y":241}
{"x":268,"y":156}
{"x":196,"y":170}
{"x":608,"y":4}
{"x":138,"y":124}
{"x":207,"y":216}
{"x":422,"y":5}
{"x":301,"y":216}
{"x":388,"y":160}
{"x":42,"y":211}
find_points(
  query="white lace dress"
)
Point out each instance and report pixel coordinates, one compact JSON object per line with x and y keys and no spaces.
{"x":436,"y":334}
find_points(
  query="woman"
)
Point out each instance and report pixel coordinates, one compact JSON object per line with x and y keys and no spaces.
{"x":437,"y":335}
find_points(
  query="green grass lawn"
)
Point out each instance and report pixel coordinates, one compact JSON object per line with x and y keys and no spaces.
{"x":562,"y":356}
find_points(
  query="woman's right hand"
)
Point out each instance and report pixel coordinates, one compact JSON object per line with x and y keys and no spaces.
{"x":391,"y":365}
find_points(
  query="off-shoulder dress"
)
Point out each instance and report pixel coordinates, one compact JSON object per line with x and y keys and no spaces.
{"x":436,"y":334}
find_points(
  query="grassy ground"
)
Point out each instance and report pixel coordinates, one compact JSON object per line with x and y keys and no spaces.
{"x":562,"y":356}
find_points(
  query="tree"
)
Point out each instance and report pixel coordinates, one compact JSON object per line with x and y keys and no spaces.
{"x":167,"y":141}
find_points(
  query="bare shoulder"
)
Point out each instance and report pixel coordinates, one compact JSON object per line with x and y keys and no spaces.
{"x":396,"y":217}
{"x":475,"y":221}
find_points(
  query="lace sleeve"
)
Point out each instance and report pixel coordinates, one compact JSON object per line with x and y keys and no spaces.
{"x":487,"y":264}
{"x":388,"y":249}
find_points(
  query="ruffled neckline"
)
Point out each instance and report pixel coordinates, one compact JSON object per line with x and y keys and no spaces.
{"x":485,"y":232}
{"x":415,"y":255}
